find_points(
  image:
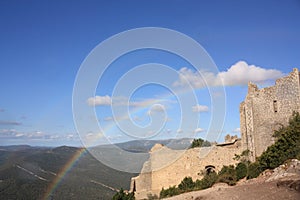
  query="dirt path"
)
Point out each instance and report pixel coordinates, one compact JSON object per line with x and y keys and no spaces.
{"x":280,"y":183}
{"x":31,"y":173}
{"x":245,"y":191}
{"x":111,"y":188}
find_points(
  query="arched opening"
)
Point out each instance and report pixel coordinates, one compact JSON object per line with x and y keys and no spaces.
{"x":209,"y":169}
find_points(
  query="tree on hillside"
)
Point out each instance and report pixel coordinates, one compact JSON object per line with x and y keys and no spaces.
{"x":121,"y":195}
{"x":241,"y":170}
{"x":227,"y":175}
{"x":243,"y":157}
{"x":186,"y":184}
{"x":287,"y":145}
{"x":200,"y":143}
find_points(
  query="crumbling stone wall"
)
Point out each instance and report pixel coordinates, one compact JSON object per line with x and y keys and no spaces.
{"x":265,"y":110}
{"x":191,"y":162}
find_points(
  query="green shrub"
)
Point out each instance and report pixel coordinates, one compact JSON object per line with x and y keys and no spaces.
{"x":254,"y":170}
{"x":298,"y":157}
{"x":207,"y":181}
{"x":200,"y":143}
{"x":241,"y":170}
{"x":187,"y":184}
{"x":286,"y":147}
{"x":171,"y":191}
{"x":243,"y":157}
{"x":121,"y":195}
{"x":227,"y":175}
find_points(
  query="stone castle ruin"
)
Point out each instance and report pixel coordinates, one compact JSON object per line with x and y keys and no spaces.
{"x":263,"y":111}
{"x":267,"y":109}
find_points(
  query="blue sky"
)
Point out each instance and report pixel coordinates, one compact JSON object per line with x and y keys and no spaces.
{"x":43,"y":44}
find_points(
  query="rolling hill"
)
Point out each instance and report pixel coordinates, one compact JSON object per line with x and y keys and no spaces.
{"x":28,"y":173}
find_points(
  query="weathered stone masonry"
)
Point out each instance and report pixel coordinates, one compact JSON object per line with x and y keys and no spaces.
{"x":265,"y":110}
{"x":189,"y":163}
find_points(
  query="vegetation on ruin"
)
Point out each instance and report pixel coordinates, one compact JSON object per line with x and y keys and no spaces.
{"x":121,"y":195}
{"x":241,"y":170}
{"x":287,"y":146}
{"x":200,"y":143}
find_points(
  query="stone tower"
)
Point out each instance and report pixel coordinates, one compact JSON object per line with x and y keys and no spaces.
{"x":265,"y":110}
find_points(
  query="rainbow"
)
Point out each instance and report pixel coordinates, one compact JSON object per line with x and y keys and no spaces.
{"x":72,"y":161}
{"x":66,"y":168}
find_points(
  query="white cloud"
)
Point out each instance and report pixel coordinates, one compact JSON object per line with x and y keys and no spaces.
{"x":116,"y":118}
{"x":12,"y":133}
{"x":124,"y":101}
{"x":19,"y":135}
{"x":54,"y":137}
{"x":200,"y":108}
{"x":238,"y":74}
{"x":99,"y":101}
{"x":237,"y":130}
{"x":144,"y":103}
{"x":179,"y":131}
{"x":241,"y":73}
{"x":157,"y":108}
{"x":188,"y":76}
{"x":70,"y":136}
{"x":198,"y":130}
{"x":8,"y":131}
{"x":91,"y":136}
{"x":35,"y":135}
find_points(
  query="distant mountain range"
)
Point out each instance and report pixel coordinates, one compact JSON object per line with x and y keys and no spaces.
{"x":28,"y":172}
{"x":144,"y":146}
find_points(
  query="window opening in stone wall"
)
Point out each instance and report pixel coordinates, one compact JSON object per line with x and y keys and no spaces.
{"x":275,"y":106}
{"x":209,"y":169}
{"x":133,"y":190}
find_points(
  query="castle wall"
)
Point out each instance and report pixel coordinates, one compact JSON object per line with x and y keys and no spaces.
{"x":262,"y":112}
{"x":191,"y":162}
{"x":265,"y":110}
